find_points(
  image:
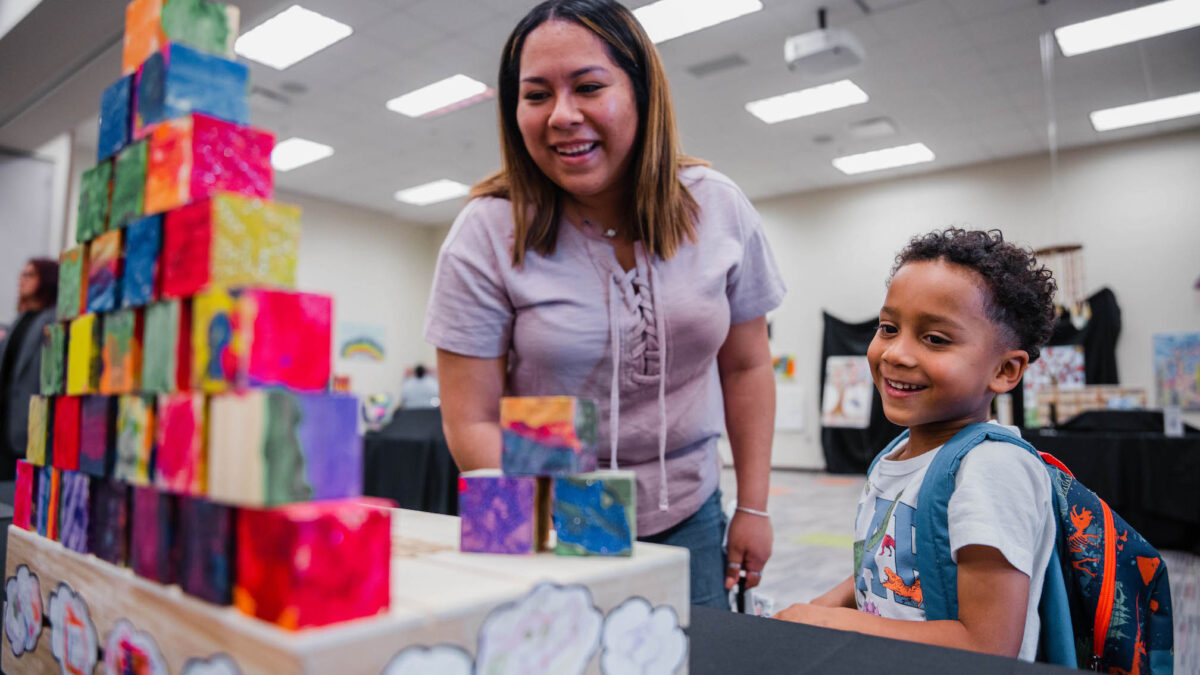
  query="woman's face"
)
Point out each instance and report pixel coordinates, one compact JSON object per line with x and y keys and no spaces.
{"x":576,"y":111}
{"x":28,"y":284}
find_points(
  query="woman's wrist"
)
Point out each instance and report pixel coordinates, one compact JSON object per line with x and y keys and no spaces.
{"x":754,"y":512}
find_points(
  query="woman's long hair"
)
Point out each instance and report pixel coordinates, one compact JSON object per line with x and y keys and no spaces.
{"x":46,"y":294}
{"x":664,"y":210}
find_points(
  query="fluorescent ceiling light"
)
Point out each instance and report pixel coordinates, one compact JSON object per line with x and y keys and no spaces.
{"x":888,"y":158}
{"x":668,"y":19}
{"x":1146,"y":112}
{"x":295,"y":152}
{"x":807,"y":102}
{"x":431,"y":193}
{"x":452,"y":93}
{"x":290,"y":37}
{"x":1136,"y":24}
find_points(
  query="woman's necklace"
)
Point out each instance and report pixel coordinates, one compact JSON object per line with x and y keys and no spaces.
{"x":610,"y":232}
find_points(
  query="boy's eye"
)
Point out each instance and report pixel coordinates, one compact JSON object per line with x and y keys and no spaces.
{"x":886,"y":329}
{"x":937,"y":340}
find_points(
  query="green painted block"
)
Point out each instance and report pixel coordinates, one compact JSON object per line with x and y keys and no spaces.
{"x":54,"y":359}
{"x":162,"y":338}
{"x":72,"y":283}
{"x":209,"y":26}
{"x":129,"y":185}
{"x":95,"y":190}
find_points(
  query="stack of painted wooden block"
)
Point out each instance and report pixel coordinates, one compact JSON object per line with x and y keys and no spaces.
{"x":548,"y":475}
{"x":185,"y":428}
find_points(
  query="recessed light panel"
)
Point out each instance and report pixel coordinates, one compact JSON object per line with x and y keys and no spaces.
{"x":431,"y":193}
{"x":295,"y":152}
{"x":888,"y":158}
{"x":1147,"y":112}
{"x":807,"y":102}
{"x":668,"y":19}
{"x":290,"y":37}
{"x":1130,"y":26}
{"x":439,"y":98}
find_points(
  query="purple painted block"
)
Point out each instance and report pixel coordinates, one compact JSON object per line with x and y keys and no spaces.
{"x":97,"y":435}
{"x":497,"y":512}
{"x":108,"y":532}
{"x":207,"y":533}
{"x":74,"y":511}
{"x":152,"y":529}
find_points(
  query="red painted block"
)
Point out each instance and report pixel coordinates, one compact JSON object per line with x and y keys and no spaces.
{"x":66,"y":433}
{"x":344,"y":572}
{"x":179,"y":457}
{"x":23,"y":498}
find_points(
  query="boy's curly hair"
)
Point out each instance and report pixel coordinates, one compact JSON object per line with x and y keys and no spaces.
{"x":1021,"y":292}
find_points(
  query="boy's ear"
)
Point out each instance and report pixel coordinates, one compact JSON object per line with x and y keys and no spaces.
{"x":1009,"y":373}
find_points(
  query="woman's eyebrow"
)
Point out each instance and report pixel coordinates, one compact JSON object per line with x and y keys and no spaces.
{"x":574,"y":74}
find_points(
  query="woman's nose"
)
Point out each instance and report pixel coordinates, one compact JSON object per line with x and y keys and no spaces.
{"x":566,"y":112}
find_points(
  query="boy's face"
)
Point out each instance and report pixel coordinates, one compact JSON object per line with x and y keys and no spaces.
{"x":937,"y":358}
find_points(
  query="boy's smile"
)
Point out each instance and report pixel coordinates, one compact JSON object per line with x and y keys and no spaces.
{"x":938,"y":357}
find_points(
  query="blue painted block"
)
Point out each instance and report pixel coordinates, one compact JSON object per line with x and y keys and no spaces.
{"x":179,"y":80}
{"x":596,"y":513}
{"x":115,"y":123}
{"x":143,"y":241}
{"x":75,"y":510}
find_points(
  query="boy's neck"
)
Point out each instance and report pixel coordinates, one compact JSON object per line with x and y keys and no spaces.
{"x":926,"y":437}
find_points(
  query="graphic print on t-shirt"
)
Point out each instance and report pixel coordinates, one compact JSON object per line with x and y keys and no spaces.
{"x":885,"y":562}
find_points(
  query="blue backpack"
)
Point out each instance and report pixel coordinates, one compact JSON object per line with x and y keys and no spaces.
{"x":1106,"y":600}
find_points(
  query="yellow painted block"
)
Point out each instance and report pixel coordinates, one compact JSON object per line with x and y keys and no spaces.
{"x":254,"y":242}
{"x":39,"y":417}
{"x":83,"y":355}
{"x":212,"y":339}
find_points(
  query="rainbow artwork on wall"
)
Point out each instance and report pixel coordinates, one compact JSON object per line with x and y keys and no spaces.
{"x":361,"y":341}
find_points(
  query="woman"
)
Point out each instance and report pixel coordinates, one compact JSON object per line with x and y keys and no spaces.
{"x":601,"y":263}
{"x":20,"y":358}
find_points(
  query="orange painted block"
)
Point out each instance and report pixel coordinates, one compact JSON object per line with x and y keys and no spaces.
{"x":122,"y":352}
{"x":144,"y":33}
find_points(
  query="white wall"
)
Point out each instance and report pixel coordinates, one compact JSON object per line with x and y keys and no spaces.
{"x":1135,"y":206}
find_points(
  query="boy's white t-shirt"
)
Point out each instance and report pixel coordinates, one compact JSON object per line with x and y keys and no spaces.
{"x":1002,"y":499}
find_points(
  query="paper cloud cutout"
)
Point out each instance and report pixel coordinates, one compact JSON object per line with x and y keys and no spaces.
{"x":552,"y":629}
{"x":640,"y":639}
{"x":73,"y":641}
{"x":129,"y":650}
{"x":440,"y":659}
{"x":23,"y":611}
{"x":220,"y":664}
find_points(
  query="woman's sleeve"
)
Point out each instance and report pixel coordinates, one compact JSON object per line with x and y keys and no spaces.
{"x":469,"y":310}
{"x":754,"y":285}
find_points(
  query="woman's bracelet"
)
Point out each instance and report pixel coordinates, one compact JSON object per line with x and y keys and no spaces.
{"x":753,"y":512}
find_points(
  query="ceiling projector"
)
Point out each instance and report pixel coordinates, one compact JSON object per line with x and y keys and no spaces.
{"x":823,"y":54}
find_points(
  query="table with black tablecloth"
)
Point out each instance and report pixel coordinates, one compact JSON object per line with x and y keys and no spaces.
{"x":409,"y":461}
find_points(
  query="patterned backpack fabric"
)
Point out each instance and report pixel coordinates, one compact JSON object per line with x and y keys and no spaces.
{"x":1106,"y":600}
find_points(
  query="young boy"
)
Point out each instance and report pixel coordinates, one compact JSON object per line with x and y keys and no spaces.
{"x":965,"y":314}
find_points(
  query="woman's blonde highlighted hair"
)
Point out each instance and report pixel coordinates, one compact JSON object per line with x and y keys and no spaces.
{"x":663,"y":208}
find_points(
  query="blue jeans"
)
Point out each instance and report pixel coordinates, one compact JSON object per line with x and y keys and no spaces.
{"x":701,"y":534}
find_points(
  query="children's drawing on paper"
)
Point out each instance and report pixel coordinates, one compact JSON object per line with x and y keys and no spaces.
{"x":1177,"y":369}
{"x":638,"y":638}
{"x":73,"y":640}
{"x":552,"y":629}
{"x":440,"y":659}
{"x":362,"y":341}
{"x":218,"y":664}
{"x":1058,"y":367}
{"x":133,"y":652}
{"x":846,"y":399}
{"x":23,"y":611}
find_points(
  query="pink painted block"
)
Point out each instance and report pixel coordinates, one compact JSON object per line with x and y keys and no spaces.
{"x":23,"y":497}
{"x":195,"y":156}
{"x":179,"y":459}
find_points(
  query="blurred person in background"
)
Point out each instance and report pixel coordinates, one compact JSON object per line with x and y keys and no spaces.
{"x":419,"y":390}
{"x":20,"y":358}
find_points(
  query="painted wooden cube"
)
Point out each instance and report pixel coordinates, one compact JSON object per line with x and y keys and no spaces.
{"x":108,"y":523}
{"x":269,"y":447}
{"x":193,"y":157}
{"x":344,"y":572}
{"x":122,"y":352}
{"x":498,"y":512}
{"x":74,"y":510}
{"x":143,"y":242}
{"x":167,"y":347}
{"x":229,"y":241}
{"x":261,"y":338}
{"x":38,"y":429}
{"x":104,"y":272}
{"x":152,"y":531}
{"x":596,"y":513}
{"x":72,"y":283}
{"x":179,"y":454}
{"x":83,"y":355}
{"x":548,"y":435}
{"x":135,"y":439}
{"x":178,"y":80}
{"x":129,"y":185}
{"x":24,"y":496}
{"x":53,"y":366}
{"x":150,"y":24}
{"x":66,"y":432}
{"x":47,"y":501}
{"x":206,"y":542}
{"x":97,"y":435}
{"x":95,"y":191}
{"x":115,"y":123}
